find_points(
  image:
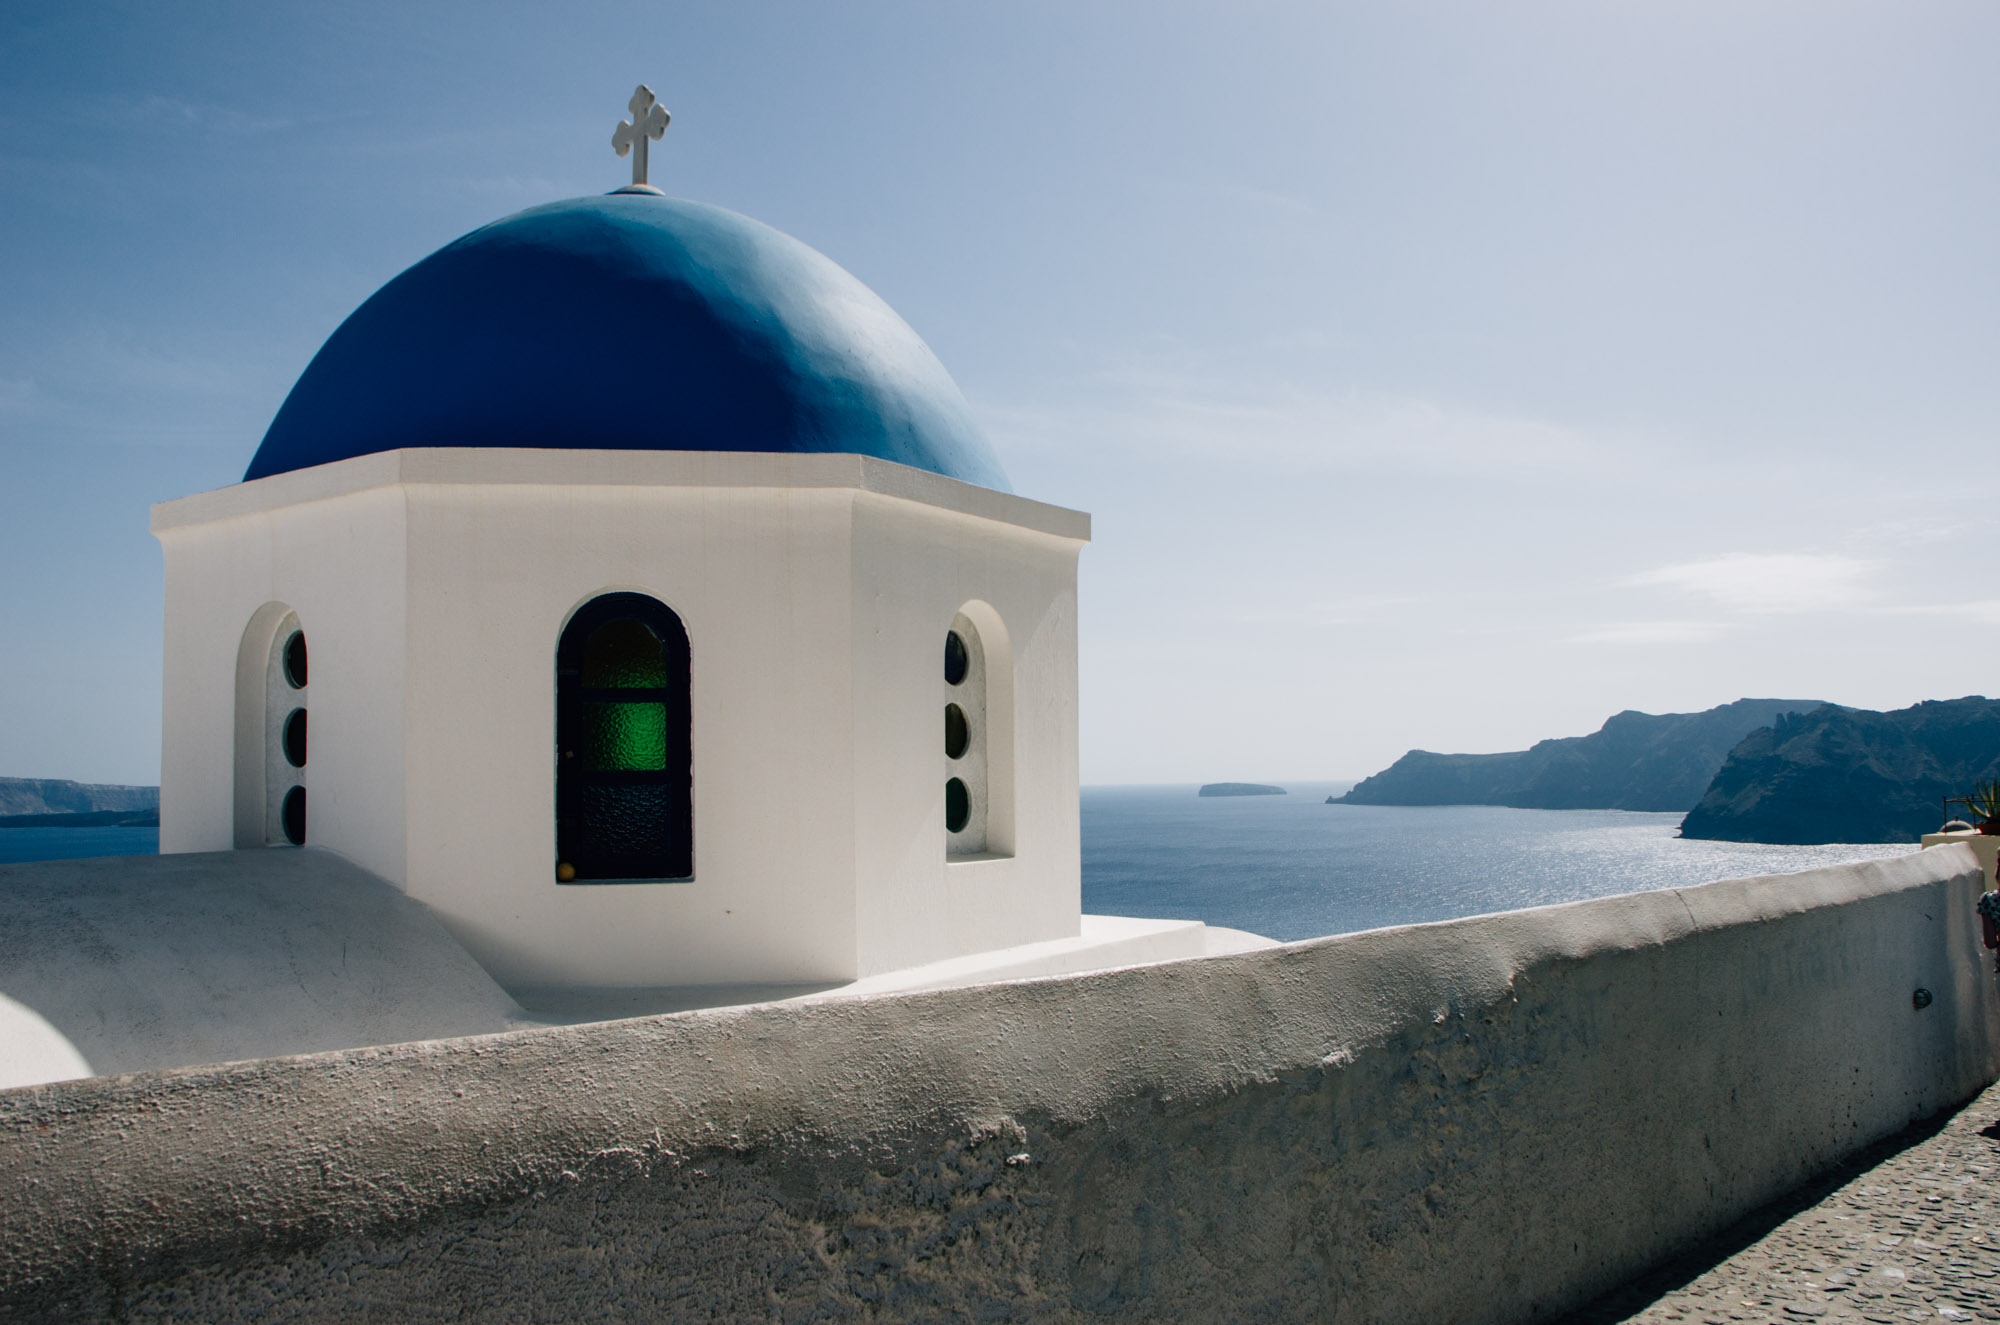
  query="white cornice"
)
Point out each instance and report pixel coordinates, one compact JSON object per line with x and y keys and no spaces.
{"x":563,"y":468}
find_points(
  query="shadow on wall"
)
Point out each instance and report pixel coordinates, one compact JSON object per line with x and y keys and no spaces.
{"x":165,"y":961}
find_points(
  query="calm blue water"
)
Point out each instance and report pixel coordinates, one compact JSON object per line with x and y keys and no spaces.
{"x":75,"y":843}
{"x":1292,"y":867}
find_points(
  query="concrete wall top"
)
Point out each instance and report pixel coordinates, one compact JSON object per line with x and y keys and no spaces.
{"x":1485,"y":1120}
{"x":726,"y":469}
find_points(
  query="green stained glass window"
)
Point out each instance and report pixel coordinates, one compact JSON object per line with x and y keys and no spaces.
{"x":624,"y":655}
{"x":624,"y":744}
{"x":624,"y":738}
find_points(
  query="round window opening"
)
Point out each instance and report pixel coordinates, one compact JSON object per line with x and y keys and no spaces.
{"x":294,"y":816}
{"x":955,"y":659}
{"x":295,"y":660}
{"x":957,"y":806}
{"x":956,"y":734}
{"x":295,"y":738}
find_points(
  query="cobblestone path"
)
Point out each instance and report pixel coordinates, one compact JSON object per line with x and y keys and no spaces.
{"x":1907,"y":1231}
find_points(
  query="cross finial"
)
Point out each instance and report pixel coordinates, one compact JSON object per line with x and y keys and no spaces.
{"x":649,"y":120}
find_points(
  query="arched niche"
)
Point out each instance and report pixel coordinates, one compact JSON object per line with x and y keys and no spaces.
{"x":273,"y":668}
{"x":978,"y":734}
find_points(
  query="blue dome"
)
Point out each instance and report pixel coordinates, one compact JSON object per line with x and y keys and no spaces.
{"x":629,"y":322}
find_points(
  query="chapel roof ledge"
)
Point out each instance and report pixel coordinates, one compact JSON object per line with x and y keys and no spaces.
{"x":510,"y":465}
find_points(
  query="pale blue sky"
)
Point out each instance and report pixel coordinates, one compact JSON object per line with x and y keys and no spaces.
{"x":1440,"y":374}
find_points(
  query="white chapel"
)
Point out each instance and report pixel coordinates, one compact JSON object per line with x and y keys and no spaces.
{"x":631,"y":587}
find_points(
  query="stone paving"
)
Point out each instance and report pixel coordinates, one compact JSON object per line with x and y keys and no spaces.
{"x":1907,"y":1231}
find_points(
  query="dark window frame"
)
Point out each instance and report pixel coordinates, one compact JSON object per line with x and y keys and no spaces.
{"x":589,"y":861}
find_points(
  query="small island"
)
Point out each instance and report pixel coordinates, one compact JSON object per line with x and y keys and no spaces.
{"x":1239,"y":789}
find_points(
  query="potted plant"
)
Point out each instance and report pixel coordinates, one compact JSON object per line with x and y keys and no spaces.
{"x":1982,"y":803}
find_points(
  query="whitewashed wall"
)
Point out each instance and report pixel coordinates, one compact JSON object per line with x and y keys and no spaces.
{"x":1488,"y":1120}
{"x":341,"y":565}
{"x":816,"y":590}
{"x":916,"y":568}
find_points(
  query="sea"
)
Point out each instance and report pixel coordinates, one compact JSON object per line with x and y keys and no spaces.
{"x":1294,"y":867}
{"x":74,"y":843}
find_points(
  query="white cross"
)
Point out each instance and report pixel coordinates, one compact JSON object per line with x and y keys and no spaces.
{"x":649,"y":120}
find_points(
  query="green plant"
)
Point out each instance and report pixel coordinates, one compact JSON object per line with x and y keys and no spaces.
{"x":1982,"y":802}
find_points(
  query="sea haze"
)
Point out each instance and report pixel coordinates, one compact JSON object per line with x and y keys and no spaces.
{"x":1293,"y":867}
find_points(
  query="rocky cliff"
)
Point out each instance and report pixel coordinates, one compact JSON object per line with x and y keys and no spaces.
{"x":56,"y":796}
{"x":1851,"y":775}
{"x":1635,"y":761}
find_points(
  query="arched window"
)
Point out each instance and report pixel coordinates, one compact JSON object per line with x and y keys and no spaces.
{"x":271,"y":730}
{"x":978,"y":735}
{"x":624,"y":744}
{"x":966,"y":739}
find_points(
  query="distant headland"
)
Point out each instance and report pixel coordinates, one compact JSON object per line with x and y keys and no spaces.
{"x":1850,"y":775}
{"x":1239,"y":789}
{"x":1777,"y":771}
{"x":1635,"y":761}
{"x":58,"y":796}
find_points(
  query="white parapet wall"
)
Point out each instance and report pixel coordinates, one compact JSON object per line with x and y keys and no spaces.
{"x":1985,"y":847}
{"x":1492,"y":1119}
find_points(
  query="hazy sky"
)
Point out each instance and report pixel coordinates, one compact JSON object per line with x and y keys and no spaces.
{"x":1439,"y":374}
